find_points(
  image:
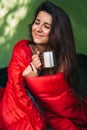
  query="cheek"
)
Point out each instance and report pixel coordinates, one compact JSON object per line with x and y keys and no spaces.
{"x":32,"y":30}
{"x":33,"y":27}
{"x":47,"y":33}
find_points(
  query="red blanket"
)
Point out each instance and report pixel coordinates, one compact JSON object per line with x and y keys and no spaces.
{"x":1,"y":93}
{"x":61,"y":106}
{"x":2,"y":127}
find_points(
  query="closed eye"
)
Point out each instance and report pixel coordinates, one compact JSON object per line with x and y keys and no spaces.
{"x":48,"y":26}
{"x":37,"y":21}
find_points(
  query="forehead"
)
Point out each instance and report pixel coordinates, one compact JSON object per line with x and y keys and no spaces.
{"x":44,"y":16}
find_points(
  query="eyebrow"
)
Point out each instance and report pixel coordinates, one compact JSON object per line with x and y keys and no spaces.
{"x":45,"y":22}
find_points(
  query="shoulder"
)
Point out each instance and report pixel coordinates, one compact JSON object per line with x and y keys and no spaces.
{"x":21,"y":43}
{"x":21,"y":46}
{"x":22,"y":50}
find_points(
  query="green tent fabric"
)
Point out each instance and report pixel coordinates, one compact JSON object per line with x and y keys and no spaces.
{"x":16,"y":15}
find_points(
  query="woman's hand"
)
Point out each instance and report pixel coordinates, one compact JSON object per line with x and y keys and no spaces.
{"x":36,"y":60}
{"x":30,"y":71}
{"x":35,"y":66}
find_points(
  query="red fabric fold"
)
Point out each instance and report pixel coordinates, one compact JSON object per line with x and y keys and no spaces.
{"x":17,"y":108}
{"x":59,"y":102}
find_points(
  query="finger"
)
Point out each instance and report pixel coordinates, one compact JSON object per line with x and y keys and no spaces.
{"x":27,"y":70}
{"x":34,"y":57}
{"x":33,"y":67}
{"x":38,"y":53}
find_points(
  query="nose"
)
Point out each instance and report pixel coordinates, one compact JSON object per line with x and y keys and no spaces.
{"x":39,"y":28}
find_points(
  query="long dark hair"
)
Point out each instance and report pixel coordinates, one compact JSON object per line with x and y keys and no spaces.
{"x":62,"y":40}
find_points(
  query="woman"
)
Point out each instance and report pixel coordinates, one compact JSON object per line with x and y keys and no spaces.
{"x":35,"y":97}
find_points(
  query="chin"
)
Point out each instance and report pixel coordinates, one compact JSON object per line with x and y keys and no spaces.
{"x":37,"y":42}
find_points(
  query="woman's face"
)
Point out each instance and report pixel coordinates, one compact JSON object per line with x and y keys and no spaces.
{"x":41,"y":28}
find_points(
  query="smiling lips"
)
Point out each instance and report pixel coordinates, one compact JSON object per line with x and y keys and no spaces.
{"x":38,"y":35}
